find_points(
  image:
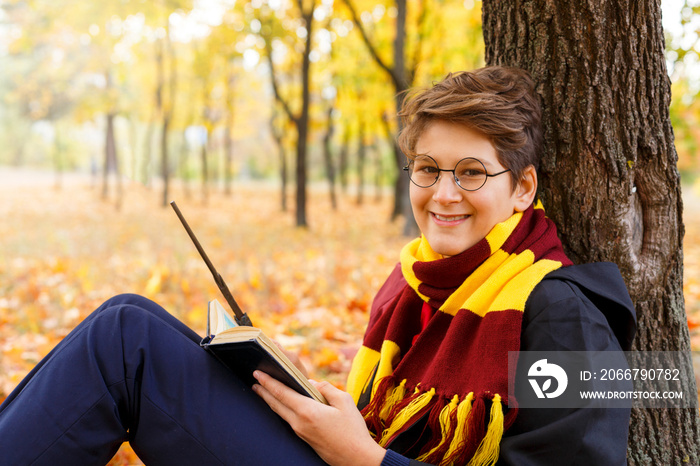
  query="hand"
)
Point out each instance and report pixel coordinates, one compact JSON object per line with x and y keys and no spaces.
{"x":337,"y":432}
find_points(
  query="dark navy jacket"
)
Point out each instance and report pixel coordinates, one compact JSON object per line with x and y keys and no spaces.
{"x":577,"y":308}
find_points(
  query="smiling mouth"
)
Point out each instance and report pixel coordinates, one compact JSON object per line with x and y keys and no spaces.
{"x":450,"y":218}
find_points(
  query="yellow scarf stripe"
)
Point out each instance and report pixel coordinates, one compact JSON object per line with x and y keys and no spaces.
{"x":473,"y":283}
{"x":361,"y":370}
{"x":412,"y":253}
{"x":500,"y":233}
{"x":484,"y":299}
{"x":389,"y":358}
{"x":518,"y":289}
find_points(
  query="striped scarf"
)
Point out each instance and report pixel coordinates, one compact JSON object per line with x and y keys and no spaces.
{"x":455,"y":369}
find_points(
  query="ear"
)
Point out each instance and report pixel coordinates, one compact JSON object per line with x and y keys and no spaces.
{"x":526,"y":190}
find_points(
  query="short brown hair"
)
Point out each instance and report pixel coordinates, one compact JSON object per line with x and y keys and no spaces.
{"x":499,"y":102}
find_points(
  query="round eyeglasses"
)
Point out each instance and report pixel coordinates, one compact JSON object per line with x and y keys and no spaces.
{"x":469,"y":173}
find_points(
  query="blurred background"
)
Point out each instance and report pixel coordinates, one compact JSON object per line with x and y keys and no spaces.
{"x":110,"y":109}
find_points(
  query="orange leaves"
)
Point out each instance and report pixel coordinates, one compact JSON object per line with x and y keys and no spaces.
{"x":64,"y":252}
{"x":693,"y":322}
{"x":325,"y":358}
{"x":691,"y":263}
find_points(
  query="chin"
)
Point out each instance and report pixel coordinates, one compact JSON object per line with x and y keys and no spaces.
{"x":448,"y":251}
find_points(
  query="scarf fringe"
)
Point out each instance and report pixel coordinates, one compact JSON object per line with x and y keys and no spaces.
{"x":465,"y":436}
{"x":490,"y":445}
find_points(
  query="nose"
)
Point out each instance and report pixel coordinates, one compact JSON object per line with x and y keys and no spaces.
{"x":446,"y":189}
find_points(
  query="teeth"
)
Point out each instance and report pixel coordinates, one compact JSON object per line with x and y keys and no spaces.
{"x":450,"y":218}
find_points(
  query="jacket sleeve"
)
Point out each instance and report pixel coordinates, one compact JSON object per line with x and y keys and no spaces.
{"x":560,"y":317}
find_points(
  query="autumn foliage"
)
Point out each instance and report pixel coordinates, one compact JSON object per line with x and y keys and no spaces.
{"x":64,"y":251}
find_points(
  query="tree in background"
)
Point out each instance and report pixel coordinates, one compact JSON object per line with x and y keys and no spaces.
{"x":301,"y":117}
{"x":416,"y":47}
{"x":684,"y":56}
{"x":608,"y":173}
{"x":402,"y":74}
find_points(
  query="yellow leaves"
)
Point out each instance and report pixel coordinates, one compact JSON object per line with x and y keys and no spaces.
{"x":65,"y":252}
{"x":326,"y":357}
{"x":196,"y":317}
{"x":154,"y":284}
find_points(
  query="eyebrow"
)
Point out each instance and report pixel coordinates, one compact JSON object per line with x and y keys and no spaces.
{"x":486,"y":163}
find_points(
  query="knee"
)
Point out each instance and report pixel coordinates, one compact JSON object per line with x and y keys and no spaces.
{"x":131,"y":300}
{"x":131,"y":305}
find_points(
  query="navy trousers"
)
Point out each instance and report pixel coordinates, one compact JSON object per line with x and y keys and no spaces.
{"x":131,"y":371}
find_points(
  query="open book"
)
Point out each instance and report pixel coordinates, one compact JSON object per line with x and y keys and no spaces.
{"x":244,"y":349}
{"x":233,"y":339}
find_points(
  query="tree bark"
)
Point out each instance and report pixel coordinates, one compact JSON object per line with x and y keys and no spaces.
{"x":301,"y":121}
{"x":111,"y":162}
{"x":204,"y":159}
{"x":608,"y":174}
{"x":228,"y":131}
{"x":343,"y":160}
{"x":361,"y":157}
{"x":328,"y":157}
{"x":109,"y":153}
{"x":168,"y":108}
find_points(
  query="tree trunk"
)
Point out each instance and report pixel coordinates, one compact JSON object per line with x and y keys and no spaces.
{"x":608,"y":175}
{"x":160,"y":84}
{"x":164,"y":160}
{"x":145,"y":169}
{"x":111,"y":162}
{"x":402,"y":202}
{"x":361,"y":156}
{"x":378,"y":173}
{"x":228,"y":130}
{"x":303,"y":120}
{"x":204,"y":158}
{"x":328,"y":157}
{"x":401,"y":76}
{"x":110,"y":155}
{"x":300,"y":121}
{"x":283,"y":174}
{"x":343,"y":160}
{"x":168,"y":109}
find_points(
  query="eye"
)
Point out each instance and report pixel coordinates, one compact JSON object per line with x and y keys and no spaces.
{"x":424,"y":165}
{"x":470,"y":168}
{"x":469,"y":172}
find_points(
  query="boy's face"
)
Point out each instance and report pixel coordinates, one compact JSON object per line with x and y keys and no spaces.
{"x":452,"y":219}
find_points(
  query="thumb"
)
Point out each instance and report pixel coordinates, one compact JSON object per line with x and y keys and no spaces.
{"x":333,"y":395}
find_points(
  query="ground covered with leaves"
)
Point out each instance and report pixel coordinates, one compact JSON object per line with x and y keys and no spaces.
{"x":64,"y":251}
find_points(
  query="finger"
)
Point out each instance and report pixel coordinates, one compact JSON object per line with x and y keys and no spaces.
{"x":268,"y":390}
{"x":274,"y":404}
{"x":280,"y":392}
{"x":334,"y":395}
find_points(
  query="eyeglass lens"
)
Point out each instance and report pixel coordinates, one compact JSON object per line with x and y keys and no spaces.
{"x":469,"y":173}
